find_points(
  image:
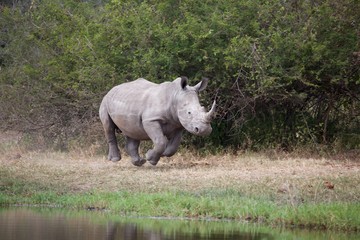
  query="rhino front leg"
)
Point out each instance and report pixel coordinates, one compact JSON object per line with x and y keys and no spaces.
{"x":173,"y":144}
{"x":132,"y":148}
{"x":154,"y":131}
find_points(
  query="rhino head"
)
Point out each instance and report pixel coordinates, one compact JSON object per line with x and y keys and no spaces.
{"x":192,"y":116}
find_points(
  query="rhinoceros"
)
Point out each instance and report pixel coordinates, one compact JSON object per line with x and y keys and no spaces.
{"x":143,"y":110}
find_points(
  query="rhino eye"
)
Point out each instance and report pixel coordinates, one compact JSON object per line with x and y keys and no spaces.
{"x":189,"y":113}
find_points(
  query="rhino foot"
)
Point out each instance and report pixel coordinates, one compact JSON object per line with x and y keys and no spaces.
{"x":114,"y":159}
{"x":153,"y":162}
{"x":114,"y":153}
{"x":152,"y":157}
{"x":139,"y":162}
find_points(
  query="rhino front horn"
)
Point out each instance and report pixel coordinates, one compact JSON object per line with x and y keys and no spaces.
{"x":210,"y":115}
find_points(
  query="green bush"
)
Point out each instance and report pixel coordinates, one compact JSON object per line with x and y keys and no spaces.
{"x":284,"y":73}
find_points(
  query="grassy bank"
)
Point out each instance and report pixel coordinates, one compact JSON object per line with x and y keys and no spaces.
{"x":271,"y":189}
{"x":215,"y":204}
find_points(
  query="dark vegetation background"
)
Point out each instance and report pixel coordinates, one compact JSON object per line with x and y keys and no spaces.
{"x":285,"y":73}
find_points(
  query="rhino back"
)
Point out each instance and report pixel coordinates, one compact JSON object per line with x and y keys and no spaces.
{"x":129,"y":103}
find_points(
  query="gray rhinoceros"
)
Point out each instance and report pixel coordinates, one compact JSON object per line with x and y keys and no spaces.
{"x":143,"y":110}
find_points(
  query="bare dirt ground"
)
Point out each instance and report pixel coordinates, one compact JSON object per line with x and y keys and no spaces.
{"x":252,"y":174}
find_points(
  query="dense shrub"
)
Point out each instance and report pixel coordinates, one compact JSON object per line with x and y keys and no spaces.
{"x":285,"y":73}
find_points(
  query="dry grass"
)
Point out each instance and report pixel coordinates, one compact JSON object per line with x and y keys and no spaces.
{"x":290,"y":179}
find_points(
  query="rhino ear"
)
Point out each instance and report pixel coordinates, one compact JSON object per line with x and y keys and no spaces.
{"x":201,"y":85}
{"x":183,"y":82}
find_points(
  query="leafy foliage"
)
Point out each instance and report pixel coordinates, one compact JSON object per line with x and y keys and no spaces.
{"x":285,"y":73}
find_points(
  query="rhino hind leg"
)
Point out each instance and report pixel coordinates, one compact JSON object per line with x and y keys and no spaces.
{"x":132,"y":148}
{"x":109,"y":128}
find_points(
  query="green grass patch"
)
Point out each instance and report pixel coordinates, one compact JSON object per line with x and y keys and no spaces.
{"x":210,"y":204}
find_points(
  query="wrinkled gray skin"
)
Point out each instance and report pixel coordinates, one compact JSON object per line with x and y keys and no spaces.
{"x":143,"y":110}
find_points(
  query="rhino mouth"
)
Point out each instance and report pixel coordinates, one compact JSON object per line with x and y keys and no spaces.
{"x":203,"y":130}
{"x":204,"y":133}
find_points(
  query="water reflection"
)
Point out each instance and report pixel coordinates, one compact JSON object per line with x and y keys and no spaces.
{"x":135,"y":232}
{"x":31,"y":224}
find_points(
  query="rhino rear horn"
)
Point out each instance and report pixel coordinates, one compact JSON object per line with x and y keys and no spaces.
{"x":211,"y":114}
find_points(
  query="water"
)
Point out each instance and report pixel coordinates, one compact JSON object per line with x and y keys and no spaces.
{"x":53,"y":224}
